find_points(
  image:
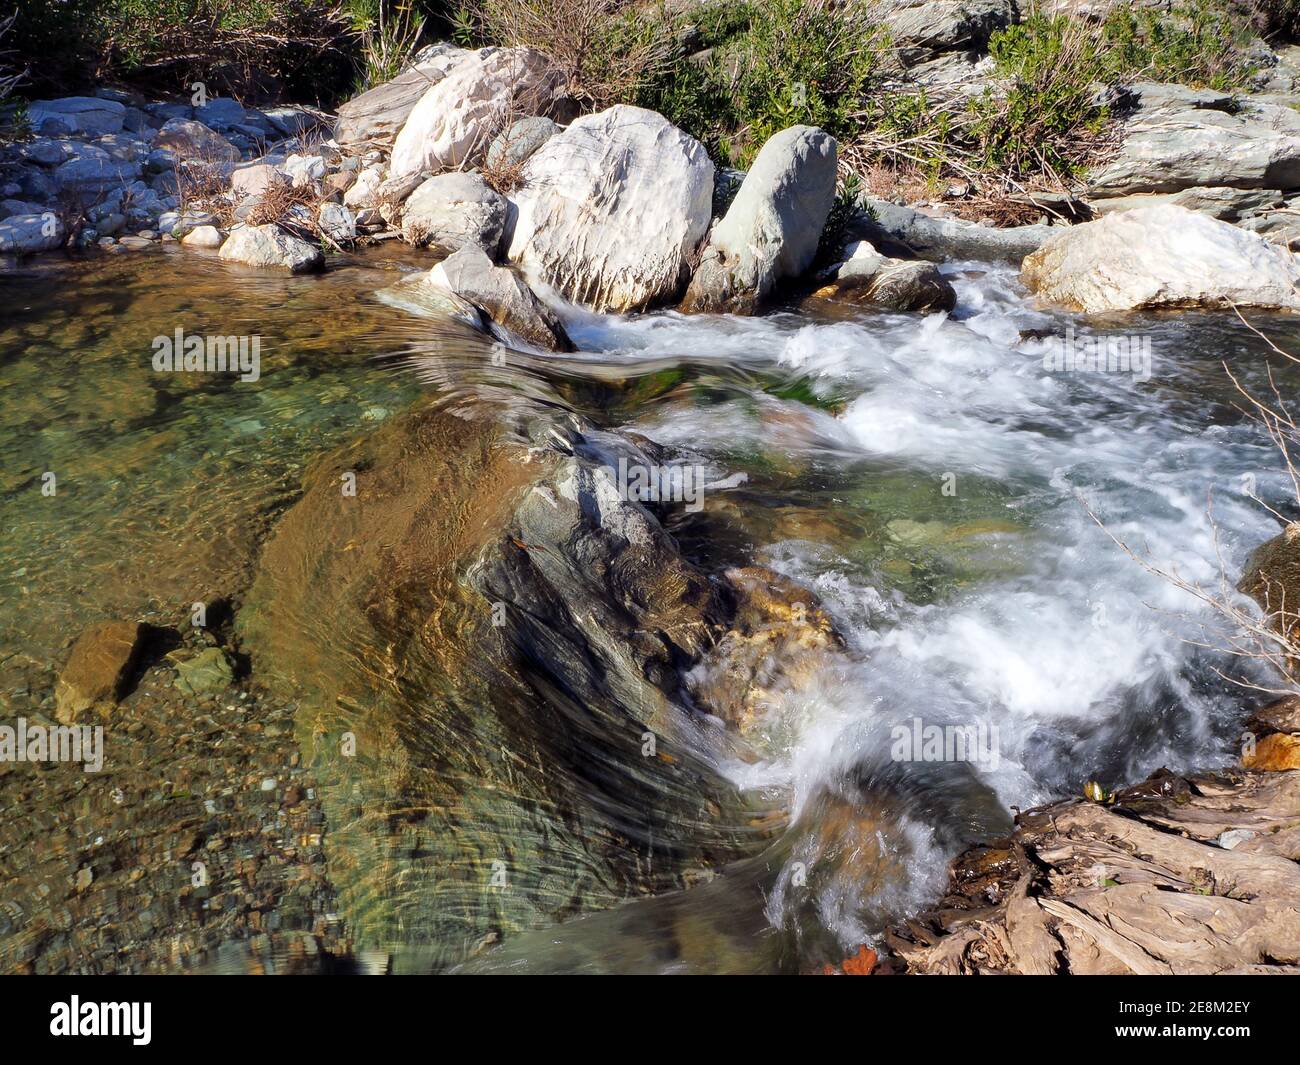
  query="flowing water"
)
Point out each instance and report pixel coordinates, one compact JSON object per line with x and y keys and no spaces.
{"x":925,"y":476}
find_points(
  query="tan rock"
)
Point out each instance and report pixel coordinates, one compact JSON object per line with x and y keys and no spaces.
{"x":98,"y":668}
{"x":1275,"y":753}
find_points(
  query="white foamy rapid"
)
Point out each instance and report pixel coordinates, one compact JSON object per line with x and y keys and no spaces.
{"x":1060,"y":645}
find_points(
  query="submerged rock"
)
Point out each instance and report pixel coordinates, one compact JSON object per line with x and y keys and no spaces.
{"x":208,"y":671}
{"x":99,"y":667}
{"x":482,"y":642}
{"x":777,"y":641}
{"x":269,"y":245}
{"x":1162,"y":256}
{"x":502,"y":295}
{"x":613,"y":209}
{"x":772,"y":228}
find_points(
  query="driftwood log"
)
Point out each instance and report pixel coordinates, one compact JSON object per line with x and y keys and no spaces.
{"x":1192,"y":874}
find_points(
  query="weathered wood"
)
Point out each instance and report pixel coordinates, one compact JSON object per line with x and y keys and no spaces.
{"x":1194,"y":875}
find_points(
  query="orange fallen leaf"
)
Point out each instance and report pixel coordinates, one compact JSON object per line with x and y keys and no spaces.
{"x":861,"y":964}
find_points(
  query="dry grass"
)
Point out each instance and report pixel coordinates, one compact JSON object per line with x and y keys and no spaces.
{"x":606,"y":50}
{"x":10,"y":78}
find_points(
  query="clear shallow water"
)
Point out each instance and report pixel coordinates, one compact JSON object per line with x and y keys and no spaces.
{"x":918,"y":473}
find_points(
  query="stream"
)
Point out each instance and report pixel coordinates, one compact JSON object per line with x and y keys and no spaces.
{"x":925,"y":477}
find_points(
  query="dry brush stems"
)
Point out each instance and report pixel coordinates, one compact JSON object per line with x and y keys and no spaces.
{"x":591,"y":41}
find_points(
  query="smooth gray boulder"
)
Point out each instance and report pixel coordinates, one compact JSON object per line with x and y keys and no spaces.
{"x":221,"y":113}
{"x":77,"y":114}
{"x":514,"y":145}
{"x":374,"y":118}
{"x":502,"y":295}
{"x":613,"y":208}
{"x":943,"y":239}
{"x":867,"y":277}
{"x":337,"y":223}
{"x":1163,"y":256}
{"x":24,"y":234}
{"x":772,"y":228}
{"x":94,"y":170}
{"x":452,"y":211}
{"x":270,"y":246}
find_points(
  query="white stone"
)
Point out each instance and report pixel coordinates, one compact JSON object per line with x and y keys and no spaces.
{"x":457,"y":119}
{"x":1163,"y":256}
{"x":613,"y":208}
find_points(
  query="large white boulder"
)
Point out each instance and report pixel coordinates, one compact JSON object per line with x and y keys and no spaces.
{"x":773,"y":226}
{"x":374,"y":118}
{"x":458,"y":117}
{"x":1164,"y":256}
{"x":613,"y":209}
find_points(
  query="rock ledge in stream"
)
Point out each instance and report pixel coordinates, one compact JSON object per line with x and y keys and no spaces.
{"x":494,"y":629}
{"x":1193,"y":875}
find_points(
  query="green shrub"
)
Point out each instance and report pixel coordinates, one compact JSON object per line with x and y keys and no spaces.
{"x":1200,"y":45}
{"x":1048,"y":117}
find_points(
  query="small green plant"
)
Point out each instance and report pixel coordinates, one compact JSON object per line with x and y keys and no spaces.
{"x":390,"y":33}
{"x":804,"y":63}
{"x":1202,"y":44}
{"x":847,"y":206}
{"x":1047,"y":118}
